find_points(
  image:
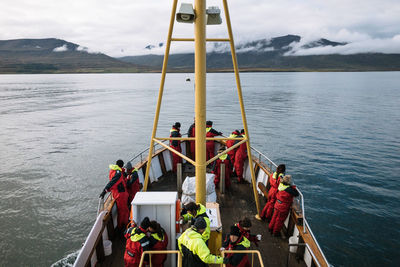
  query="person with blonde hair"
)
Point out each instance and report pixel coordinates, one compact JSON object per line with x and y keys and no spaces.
{"x":284,"y":200}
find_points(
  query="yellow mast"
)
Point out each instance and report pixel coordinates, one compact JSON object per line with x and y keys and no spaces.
{"x":200,"y":102}
{"x":200,"y":98}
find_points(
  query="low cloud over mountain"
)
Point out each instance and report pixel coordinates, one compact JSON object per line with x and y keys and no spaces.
{"x":290,"y":52}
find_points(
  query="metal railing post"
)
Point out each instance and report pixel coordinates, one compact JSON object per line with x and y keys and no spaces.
{"x":222,"y":178}
{"x":179,"y":177}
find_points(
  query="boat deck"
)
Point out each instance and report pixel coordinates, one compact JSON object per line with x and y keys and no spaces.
{"x":236,"y":203}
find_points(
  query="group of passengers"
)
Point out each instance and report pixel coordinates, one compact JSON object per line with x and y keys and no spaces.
{"x":149,"y":235}
{"x":192,"y":243}
{"x":123,"y":185}
{"x":280,"y":199}
{"x":233,"y":160}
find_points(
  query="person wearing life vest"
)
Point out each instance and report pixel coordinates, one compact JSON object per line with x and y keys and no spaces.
{"x":192,"y":211}
{"x":244,"y":226}
{"x":175,"y":144}
{"x":210,"y":132}
{"x":117,"y":186}
{"x":195,"y":252}
{"x":229,"y":143}
{"x":158,"y":241}
{"x":132,"y":183}
{"x":136,"y":242}
{"x":224,"y":159}
{"x":236,"y":241}
{"x":284,"y":199}
{"x":192,"y":133}
{"x":274,"y":179}
{"x":240,"y":157}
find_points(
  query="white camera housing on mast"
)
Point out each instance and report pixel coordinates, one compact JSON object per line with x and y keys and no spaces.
{"x":186,"y":13}
{"x":213,"y":14}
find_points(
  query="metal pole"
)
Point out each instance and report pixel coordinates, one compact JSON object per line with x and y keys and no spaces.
{"x":222,"y":178}
{"x":179,"y":177}
{"x":160,"y":93}
{"x":200,"y":99}
{"x":239,"y":88}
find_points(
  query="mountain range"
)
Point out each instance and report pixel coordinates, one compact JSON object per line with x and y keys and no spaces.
{"x":53,"y":56}
{"x":273,"y":54}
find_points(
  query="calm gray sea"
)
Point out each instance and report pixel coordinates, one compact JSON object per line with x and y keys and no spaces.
{"x":338,"y":133}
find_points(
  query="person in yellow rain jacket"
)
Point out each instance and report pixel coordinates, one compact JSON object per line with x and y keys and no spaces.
{"x":192,"y":211}
{"x":193,"y":248}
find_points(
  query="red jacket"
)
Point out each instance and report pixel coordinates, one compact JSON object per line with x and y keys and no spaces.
{"x":133,"y":184}
{"x":158,"y":243}
{"x":117,"y":182}
{"x":246,"y":233}
{"x":224,"y":159}
{"x":175,"y":143}
{"x":284,"y":197}
{"x":211,"y":132}
{"x":274,"y":183}
{"x":136,"y":243}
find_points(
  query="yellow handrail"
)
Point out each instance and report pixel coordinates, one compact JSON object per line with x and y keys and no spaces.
{"x":150,"y":252}
{"x":252,"y":252}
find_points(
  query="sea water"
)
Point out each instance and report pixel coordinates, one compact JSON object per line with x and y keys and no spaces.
{"x":337,"y":133}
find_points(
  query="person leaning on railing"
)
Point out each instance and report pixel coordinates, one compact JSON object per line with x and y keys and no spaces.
{"x":274,"y":181}
{"x":132,"y":183}
{"x":117,"y":186}
{"x":193,"y":248}
{"x":284,"y":200}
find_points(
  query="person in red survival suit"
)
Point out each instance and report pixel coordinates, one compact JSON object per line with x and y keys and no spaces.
{"x":236,"y":241}
{"x":210,"y":132}
{"x":274,"y":179}
{"x":175,"y":144}
{"x":244,"y":226}
{"x":133,"y":183}
{"x":136,"y":242}
{"x":240,"y":157}
{"x":117,"y":186}
{"x":230,"y":143}
{"x":224,"y":159}
{"x":284,"y":199}
{"x":158,"y":241}
{"x":191,"y":133}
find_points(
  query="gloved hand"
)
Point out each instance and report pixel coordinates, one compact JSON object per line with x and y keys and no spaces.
{"x":258,"y":237}
{"x":103,"y":194}
{"x":222,"y":249}
{"x":226,"y":260}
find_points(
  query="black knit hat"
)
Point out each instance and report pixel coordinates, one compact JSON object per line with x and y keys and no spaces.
{"x":120,"y":163}
{"x":177,"y":125}
{"x":209,"y":123}
{"x":235,"y":231}
{"x":200,"y":223}
{"x":145,"y":223}
{"x":245,"y":222}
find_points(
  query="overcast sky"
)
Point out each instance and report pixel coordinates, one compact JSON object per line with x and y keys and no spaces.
{"x":126,"y":27}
